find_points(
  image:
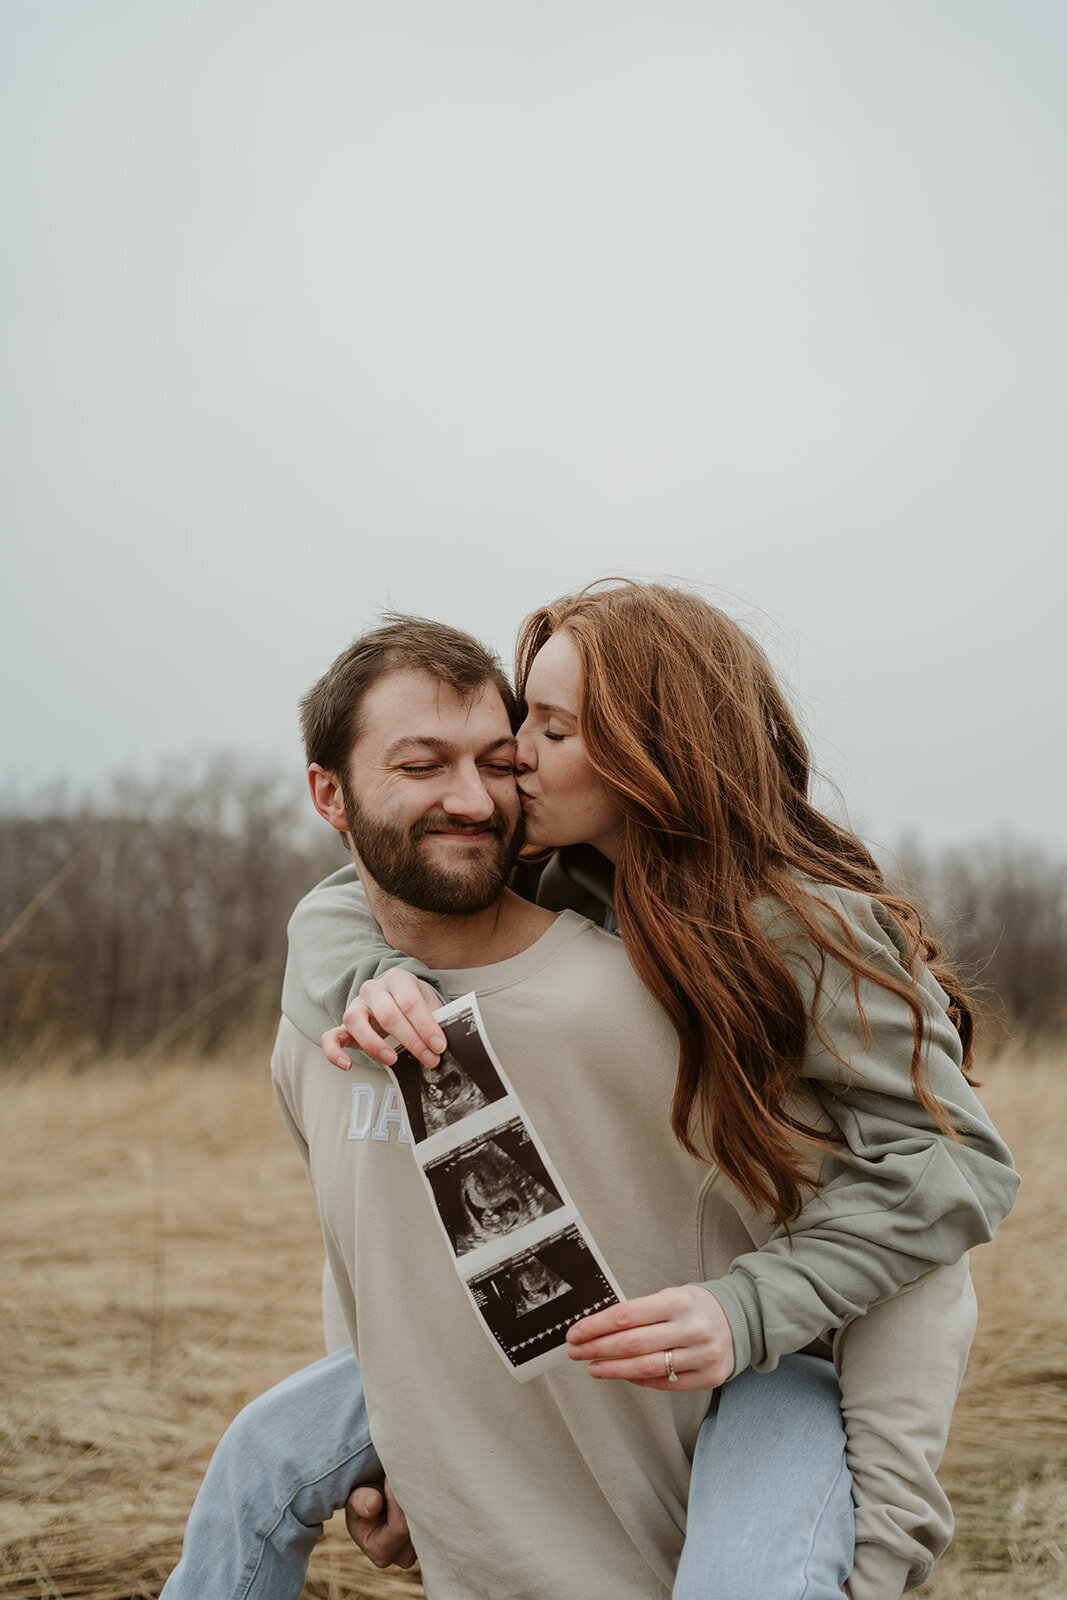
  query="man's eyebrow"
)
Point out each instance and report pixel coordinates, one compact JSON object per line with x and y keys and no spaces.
{"x":429,"y":741}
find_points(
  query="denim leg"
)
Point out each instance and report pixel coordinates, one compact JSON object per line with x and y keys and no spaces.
{"x":284,"y":1465}
{"x":770,"y":1499}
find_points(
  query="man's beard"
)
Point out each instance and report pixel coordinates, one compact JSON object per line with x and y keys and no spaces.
{"x":392,"y":857}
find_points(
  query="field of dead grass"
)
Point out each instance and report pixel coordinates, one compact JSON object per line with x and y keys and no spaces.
{"x":160,"y":1265}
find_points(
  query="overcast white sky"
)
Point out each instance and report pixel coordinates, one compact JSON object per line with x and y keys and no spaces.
{"x":310,"y":309}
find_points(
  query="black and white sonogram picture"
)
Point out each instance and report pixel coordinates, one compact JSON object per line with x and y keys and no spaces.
{"x":464,"y":1081}
{"x":530,"y":1301}
{"x":490,"y":1186}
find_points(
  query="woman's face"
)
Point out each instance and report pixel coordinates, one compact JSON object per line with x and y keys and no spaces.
{"x":563,"y":799}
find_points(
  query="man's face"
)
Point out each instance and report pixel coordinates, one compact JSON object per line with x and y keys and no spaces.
{"x":430,"y":796}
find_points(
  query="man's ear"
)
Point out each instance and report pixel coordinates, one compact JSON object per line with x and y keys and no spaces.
{"x":326,"y":796}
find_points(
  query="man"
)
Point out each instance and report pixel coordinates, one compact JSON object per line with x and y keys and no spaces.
{"x":510,"y":1489}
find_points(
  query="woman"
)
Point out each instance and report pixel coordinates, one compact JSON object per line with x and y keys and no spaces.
{"x":657,"y":743}
{"x":657,"y":740}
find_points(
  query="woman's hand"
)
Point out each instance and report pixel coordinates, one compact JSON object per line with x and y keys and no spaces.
{"x":631,"y":1340}
{"x":398,"y":1005}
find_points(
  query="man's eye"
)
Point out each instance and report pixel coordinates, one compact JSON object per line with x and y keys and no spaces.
{"x":500,"y":768}
{"x":430,"y":766}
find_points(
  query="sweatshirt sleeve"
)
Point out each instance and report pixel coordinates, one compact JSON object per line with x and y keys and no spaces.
{"x":335,"y":945}
{"x":900,"y":1368}
{"x":901,"y":1197}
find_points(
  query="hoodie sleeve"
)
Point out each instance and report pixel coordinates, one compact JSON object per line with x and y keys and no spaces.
{"x":335,"y":945}
{"x":900,"y":1197}
{"x":900,"y":1369}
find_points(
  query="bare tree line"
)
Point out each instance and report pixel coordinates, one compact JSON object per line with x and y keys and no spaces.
{"x":157,"y":917}
{"x":154,"y":918}
{"x":1001,"y":906}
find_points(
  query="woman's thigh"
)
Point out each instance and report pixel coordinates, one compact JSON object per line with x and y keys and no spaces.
{"x":770,"y":1501}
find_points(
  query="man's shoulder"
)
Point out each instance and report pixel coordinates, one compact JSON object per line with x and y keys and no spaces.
{"x":288,"y":1038}
{"x":308,"y":1086}
{"x":292,"y":1050}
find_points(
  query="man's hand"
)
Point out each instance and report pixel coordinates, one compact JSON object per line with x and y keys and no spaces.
{"x":397,"y":1005}
{"x":378,"y":1525}
{"x":631,"y":1340}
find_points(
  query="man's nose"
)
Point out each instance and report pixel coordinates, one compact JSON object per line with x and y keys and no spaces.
{"x":467,"y":796}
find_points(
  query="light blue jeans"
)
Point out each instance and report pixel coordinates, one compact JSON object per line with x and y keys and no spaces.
{"x":770,"y":1507}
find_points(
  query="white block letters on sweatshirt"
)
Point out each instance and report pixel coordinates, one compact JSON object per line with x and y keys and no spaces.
{"x":362,"y":1120}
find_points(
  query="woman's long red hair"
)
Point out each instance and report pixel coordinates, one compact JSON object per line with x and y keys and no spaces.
{"x":682,"y":718}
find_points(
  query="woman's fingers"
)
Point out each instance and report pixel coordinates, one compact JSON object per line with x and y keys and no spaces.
{"x":369,"y":1034}
{"x":394,"y":1010}
{"x":693,"y":1366}
{"x":627,"y":1344}
{"x":334,"y":1044}
{"x":650,"y":1371}
{"x":629,"y":1340}
{"x":627,"y":1317}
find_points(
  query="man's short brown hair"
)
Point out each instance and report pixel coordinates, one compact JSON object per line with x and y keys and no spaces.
{"x":330,"y":712}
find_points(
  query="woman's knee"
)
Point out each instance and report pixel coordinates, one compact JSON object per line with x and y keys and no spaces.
{"x":770,"y":1508}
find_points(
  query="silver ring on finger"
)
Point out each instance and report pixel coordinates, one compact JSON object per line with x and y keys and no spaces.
{"x":668,"y":1358}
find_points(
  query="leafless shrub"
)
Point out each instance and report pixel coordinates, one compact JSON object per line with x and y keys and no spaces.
{"x":1001,"y":907}
{"x":156,"y":915}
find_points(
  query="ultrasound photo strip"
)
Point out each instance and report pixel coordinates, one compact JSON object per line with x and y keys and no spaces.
{"x":527,"y":1262}
{"x":467,"y":1080}
{"x":529,"y":1302}
{"x":490,"y":1186}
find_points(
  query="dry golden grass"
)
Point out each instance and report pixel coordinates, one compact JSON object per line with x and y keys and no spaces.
{"x":161,"y":1266}
{"x":1006,"y":1464}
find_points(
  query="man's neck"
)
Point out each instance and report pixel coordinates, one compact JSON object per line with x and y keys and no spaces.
{"x":504,"y":929}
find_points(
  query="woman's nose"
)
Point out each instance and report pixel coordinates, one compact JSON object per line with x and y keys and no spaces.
{"x":525,"y":759}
